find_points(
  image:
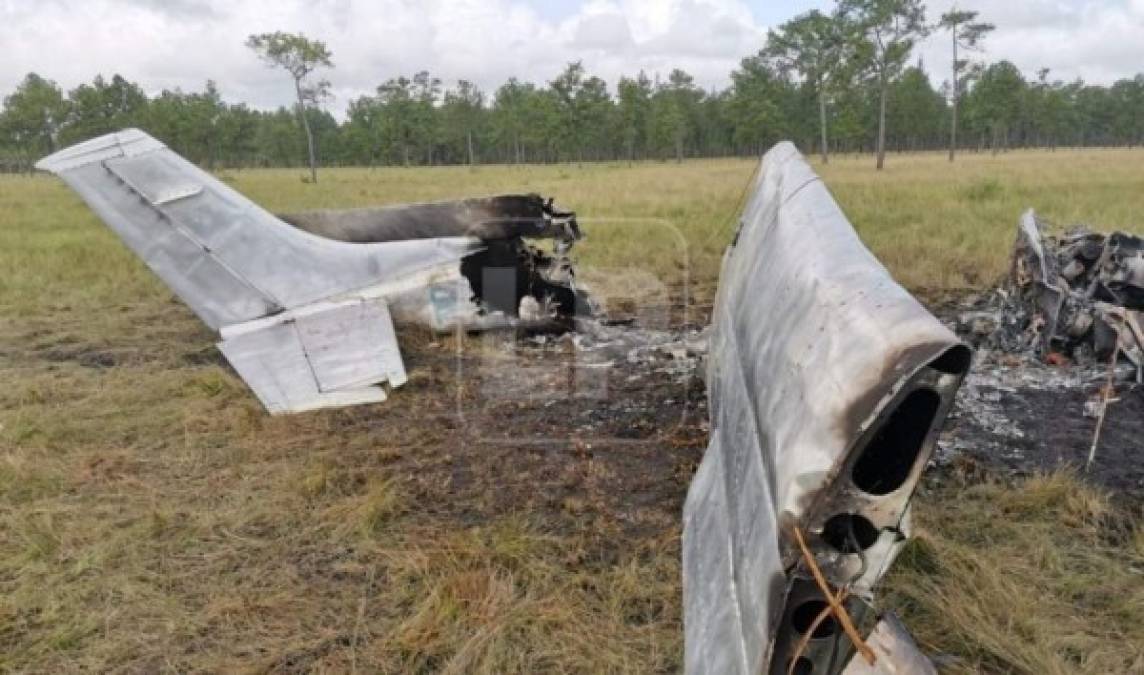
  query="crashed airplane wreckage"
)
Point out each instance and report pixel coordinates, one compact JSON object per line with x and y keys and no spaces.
{"x":828,"y":384}
{"x":1079,"y":296}
{"x":305,"y":310}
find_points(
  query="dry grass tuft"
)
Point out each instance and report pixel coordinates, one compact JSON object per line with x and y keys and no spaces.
{"x":1039,"y":577}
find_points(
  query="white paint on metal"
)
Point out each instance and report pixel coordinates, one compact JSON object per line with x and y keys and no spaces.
{"x":273,"y":363}
{"x":226,"y":257}
{"x":126,"y":143}
{"x":895,"y":652}
{"x":352,"y":345}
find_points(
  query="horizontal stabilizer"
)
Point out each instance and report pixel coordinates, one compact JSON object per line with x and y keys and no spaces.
{"x":334,"y":355}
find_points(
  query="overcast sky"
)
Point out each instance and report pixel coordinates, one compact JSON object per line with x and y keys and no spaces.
{"x":182,"y":43}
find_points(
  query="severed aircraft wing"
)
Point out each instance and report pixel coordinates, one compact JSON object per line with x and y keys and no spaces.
{"x":828,"y":383}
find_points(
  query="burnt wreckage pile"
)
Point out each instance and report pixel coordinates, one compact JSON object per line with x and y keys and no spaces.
{"x":1078,"y":296}
{"x":507,"y":275}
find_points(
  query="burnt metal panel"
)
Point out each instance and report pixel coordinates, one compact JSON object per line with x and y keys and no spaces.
{"x":486,"y":218}
{"x":828,"y":383}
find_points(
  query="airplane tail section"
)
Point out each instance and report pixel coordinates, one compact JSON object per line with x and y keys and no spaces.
{"x":305,"y":319}
{"x":230,"y":260}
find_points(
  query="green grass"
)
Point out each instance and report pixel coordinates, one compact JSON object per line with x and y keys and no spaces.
{"x":153,"y":518}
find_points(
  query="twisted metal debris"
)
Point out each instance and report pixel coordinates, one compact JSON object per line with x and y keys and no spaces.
{"x":1079,"y":296}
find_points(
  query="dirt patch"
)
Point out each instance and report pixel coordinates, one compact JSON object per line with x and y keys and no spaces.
{"x":577,"y":426}
{"x":1030,"y":429}
{"x":1019,"y":416}
{"x":88,"y":357}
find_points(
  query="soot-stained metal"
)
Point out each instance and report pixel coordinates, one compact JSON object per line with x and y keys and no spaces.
{"x":828,"y":384}
{"x":503,"y":224}
{"x":306,"y":313}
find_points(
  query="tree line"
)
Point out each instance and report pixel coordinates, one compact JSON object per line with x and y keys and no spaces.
{"x":844,"y":81}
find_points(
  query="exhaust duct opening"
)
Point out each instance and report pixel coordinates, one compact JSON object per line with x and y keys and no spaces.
{"x":804,"y":615}
{"x":849,"y":533}
{"x":886,"y":462}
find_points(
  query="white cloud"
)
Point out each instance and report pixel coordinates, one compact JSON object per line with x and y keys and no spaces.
{"x":1096,"y":40}
{"x":182,"y":43}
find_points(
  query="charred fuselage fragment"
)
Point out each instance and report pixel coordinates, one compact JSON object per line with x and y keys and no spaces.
{"x":506,"y":272}
{"x":828,"y":384}
{"x":484,"y":218}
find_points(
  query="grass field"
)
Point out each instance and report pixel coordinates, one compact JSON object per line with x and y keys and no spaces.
{"x":152,"y":518}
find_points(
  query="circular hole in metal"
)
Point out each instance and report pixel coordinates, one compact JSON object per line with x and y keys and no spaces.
{"x":805,"y":614}
{"x":849,"y":533}
{"x":886,"y":462}
{"x":803,"y":666}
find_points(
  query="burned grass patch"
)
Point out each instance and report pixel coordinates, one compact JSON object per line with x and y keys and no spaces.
{"x":158,"y":517}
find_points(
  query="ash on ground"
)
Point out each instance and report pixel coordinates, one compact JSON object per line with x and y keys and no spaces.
{"x":1016,"y":413}
{"x":606,"y":423}
{"x":628,"y":399}
{"x":1058,"y":347}
{"x":609,"y":372}
{"x":1022,"y":416}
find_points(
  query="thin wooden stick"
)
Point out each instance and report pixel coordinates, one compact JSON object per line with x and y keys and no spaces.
{"x":835,"y":605}
{"x":1106,"y":394}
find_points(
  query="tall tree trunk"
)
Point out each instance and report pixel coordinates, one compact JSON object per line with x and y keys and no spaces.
{"x":309,"y":134}
{"x":882,"y":123}
{"x":953,"y":111}
{"x":469,"y":136}
{"x":822,"y":124}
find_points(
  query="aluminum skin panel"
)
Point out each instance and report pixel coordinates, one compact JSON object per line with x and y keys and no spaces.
{"x":827,"y":383}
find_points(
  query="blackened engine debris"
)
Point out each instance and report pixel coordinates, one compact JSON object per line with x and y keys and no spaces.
{"x":1076,"y":297}
{"x":508,"y":276}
